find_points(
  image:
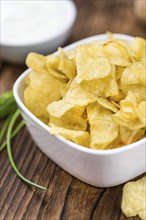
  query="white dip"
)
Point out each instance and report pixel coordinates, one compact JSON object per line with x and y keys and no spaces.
{"x":25,"y":21}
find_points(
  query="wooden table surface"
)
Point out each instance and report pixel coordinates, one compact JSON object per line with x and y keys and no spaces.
{"x":67,"y":198}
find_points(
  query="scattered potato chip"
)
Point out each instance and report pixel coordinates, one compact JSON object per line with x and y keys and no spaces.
{"x":93,"y":95}
{"x":134,"y":199}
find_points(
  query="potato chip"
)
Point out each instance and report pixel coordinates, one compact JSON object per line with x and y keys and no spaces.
{"x":128,"y":136}
{"x":79,"y":137}
{"x":59,"y":108}
{"x":116,"y":52}
{"x":118,"y":98}
{"x":69,"y":121}
{"x":143,"y":60}
{"x":66,"y":65}
{"x":112,"y":87}
{"x":138,"y":90}
{"x":36,"y":62}
{"x":123,"y":43}
{"x":90,"y":67}
{"x":134,"y":74}
{"x":127,"y":115}
{"x":102,"y":128}
{"x":107,"y":104}
{"x":36,"y":102}
{"x":131,"y":124}
{"x":42,"y":89}
{"x":127,"y":46}
{"x":52,"y":68}
{"x":119,"y":71}
{"x":141,"y":112}
{"x":79,"y":110}
{"x":139,"y":46}
{"x":115,"y":103}
{"x":116,"y":143}
{"x":134,"y":199}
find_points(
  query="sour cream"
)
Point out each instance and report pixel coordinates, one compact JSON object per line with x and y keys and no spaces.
{"x":24,"y":21}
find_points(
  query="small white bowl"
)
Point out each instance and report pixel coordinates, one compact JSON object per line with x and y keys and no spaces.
{"x":16,"y":52}
{"x":101,"y":168}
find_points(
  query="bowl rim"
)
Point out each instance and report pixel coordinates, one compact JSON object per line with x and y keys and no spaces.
{"x":68,"y":6}
{"x":62,"y":139}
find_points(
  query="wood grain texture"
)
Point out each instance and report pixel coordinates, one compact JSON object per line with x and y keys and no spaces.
{"x":66,"y":198}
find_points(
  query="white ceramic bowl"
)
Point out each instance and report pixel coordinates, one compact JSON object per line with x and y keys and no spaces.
{"x":17,"y":52}
{"x":102,"y":168}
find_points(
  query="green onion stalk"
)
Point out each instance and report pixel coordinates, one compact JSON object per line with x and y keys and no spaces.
{"x":10,"y":112}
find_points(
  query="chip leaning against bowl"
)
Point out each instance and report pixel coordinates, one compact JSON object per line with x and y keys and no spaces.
{"x":94,"y":95}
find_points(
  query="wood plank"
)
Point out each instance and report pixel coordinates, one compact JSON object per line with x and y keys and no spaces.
{"x":66,"y":198}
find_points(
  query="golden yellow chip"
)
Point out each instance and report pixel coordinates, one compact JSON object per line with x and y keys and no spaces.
{"x":111,"y":86}
{"x":127,"y":115}
{"x":36,"y":102}
{"x":78,"y":110}
{"x":118,"y":98}
{"x":143,"y":60}
{"x":79,"y":137}
{"x":138,"y":90}
{"x":59,"y":108}
{"x":107,"y":104}
{"x":116,"y":52}
{"x":134,"y":74}
{"x":69,"y":121}
{"x":127,"y":47}
{"x":42,"y":89}
{"x":102,"y":128}
{"x":52,"y":68}
{"x":141,"y":112}
{"x":90,"y":67}
{"x":36,"y":62}
{"x":128,"y":136}
{"x":134,"y":199}
{"x":119,"y":71}
{"x":139,"y":47}
{"x":66,"y":65}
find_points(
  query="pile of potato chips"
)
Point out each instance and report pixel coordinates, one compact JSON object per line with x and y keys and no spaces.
{"x":94,"y":95}
{"x":134,"y":199}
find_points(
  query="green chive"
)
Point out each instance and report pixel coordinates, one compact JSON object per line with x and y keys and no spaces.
{"x":14,"y":133}
{"x":7,"y":107}
{"x":9,"y":151}
{"x":4,"y":128}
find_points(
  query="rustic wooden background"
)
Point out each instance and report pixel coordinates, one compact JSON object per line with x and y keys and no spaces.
{"x":66,"y":198}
